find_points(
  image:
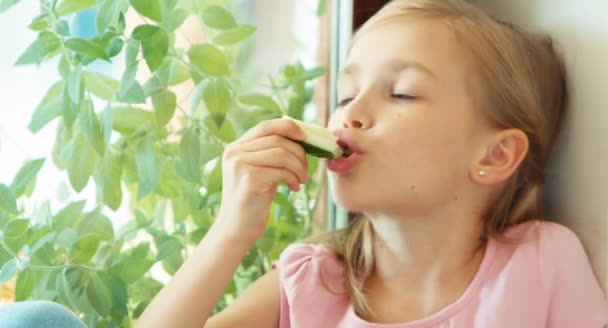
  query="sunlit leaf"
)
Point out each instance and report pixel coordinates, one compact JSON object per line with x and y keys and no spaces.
{"x":46,"y":44}
{"x":8,"y":271}
{"x":71,"y":6}
{"x":218,"y":18}
{"x":49,"y":108}
{"x":102,"y":86}
{"x":147,"y":167}
{"x":6,"y":4}
{"x":89,"y":123}
{"x":149,"y":8}
{"x":84,"y":248}
{"x":235,"y":35}
{"x":209,"y":60}
{"x":26,"y":174}
{"x":164,"y":106}
{"x":7,"y":199}
{"x":98,"y":295}
{"x":26,"y":281}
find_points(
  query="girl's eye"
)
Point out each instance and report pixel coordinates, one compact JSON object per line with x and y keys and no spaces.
{"x":403,"y":96}
{"x":344,"y":102}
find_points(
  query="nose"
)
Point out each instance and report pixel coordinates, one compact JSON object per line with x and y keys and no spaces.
{"x":356,"y":114}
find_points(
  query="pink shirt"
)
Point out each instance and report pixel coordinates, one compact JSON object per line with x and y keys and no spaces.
{"x":543,"y":281}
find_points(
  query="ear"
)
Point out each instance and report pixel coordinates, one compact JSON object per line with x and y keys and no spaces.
{"x":501,"y":157}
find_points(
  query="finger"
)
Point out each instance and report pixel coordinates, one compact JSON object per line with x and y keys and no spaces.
{"x":273,"y":176}
{"x":275,"y":141}
{"x":277,"y":158}
{"x":282,"y":127}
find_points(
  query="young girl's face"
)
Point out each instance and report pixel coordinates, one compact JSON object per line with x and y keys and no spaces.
{"x":406,"y":102}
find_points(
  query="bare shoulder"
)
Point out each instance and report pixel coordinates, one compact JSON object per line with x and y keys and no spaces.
{"x":258,"y":306}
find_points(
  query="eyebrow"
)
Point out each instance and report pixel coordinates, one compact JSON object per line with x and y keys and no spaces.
{"x":395,"y":65}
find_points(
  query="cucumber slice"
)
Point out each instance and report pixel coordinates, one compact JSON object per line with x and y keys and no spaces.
{"x":320,"y":142}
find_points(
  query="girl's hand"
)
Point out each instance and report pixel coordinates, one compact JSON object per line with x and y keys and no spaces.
{"x":253,"y":166}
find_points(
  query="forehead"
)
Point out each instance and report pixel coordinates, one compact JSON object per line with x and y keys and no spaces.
{"x":408,"y":42}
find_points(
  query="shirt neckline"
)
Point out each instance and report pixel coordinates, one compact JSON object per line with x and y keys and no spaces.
{"x":444,"y":313}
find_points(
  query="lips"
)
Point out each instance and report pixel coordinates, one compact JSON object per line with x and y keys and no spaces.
{"x":343,"y":164}
{"x":352,"y":155}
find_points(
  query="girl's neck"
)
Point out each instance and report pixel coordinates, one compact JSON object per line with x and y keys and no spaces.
{"x":415,"y":252}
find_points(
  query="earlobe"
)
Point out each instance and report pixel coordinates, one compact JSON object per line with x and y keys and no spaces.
{"x":501,"y":158}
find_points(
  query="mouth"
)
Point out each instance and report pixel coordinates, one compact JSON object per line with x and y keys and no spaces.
{"x":346,"y":151}
{"x":350,"y":156}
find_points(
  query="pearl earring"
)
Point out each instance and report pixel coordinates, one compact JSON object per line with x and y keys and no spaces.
{"x":482,"y":173}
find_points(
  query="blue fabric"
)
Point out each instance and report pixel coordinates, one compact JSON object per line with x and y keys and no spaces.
{"x":37,"y":314}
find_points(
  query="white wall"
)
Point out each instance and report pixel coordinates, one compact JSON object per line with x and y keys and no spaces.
{"x":578,"y":182}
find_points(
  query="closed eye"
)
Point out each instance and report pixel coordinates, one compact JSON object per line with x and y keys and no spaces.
{"x":403,"y":96}
{"x":344,"y":102}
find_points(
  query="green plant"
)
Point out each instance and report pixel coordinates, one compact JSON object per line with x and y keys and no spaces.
{"x":131,"y":138}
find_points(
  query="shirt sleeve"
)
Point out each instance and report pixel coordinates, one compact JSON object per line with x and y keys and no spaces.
{"x":576,"y":299}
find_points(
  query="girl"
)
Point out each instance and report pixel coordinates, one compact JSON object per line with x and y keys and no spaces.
{"x":450,"y":117}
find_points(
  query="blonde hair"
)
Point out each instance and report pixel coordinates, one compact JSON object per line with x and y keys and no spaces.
{"x":523,"y":88}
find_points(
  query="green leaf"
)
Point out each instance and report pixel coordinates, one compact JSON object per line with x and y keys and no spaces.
{"x":65,"y":288}
{"x":261,"y":101}
{"x":62,"y":28}
{"x":26,"y":281}
{"x":218,"y":18}
{"x":71,"y":6}
{"x":16,"y":228}
{"x":144,"y":31}
{"x":131,"y":268}
{"x":8,"y":271}
{"x":39,"y":23}
{"x":106,"y":124}
{"x":46,"y":44}
{"x":147,"y":168}
{"x":131,"y":51}
{"x":70,"y":108}
{"x":225,"y":132}
{"x":175,"y":19}
{"x":64,"y":67}
{"x":126,"y":120}
{"x":149,"y":8}
{"x":210,"y":151}
{"x":217,"y":98}
{"x":155,"y":49}
{"x":112,"y":173}
{"x":102,"y":86}
{"x":26,"y":174}
{"x":98,"y":295}
{"x":49,"y":108}
{"x":214,"y":180}
{"x":130,"y":90}
{"x":168,"y":248}
{"x":115,"y":47}
{"x":7,"y":199}
{"x":118,"y":296}
{"x":164,"y":106}
{"x":189,"y":163}
{"x":87,"y":48}
{"x":235,"y":35}
{"x":178,"y":73}
{"x":322,"y":8}
{"x":89,"y":123}
{"x":74,"y":81}
{"x":69,"y":216}
{"x":96,"y":223}
{"x":80,"y":158}
{"x":209,"y":59}
{"x":84,"y":249}
{"x":108,"y":13}
{"x":5,"y":4}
